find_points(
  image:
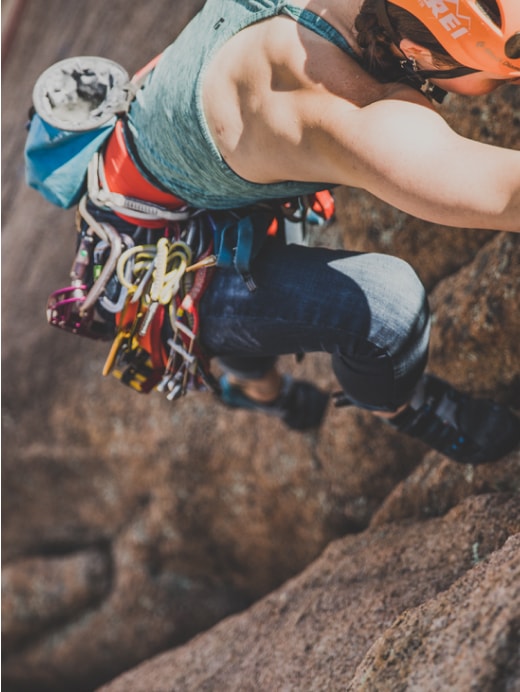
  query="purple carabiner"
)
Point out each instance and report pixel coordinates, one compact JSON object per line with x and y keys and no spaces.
{"x":65,"y":311}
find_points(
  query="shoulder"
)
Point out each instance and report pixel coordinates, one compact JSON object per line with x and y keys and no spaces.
{"x":276,"y":102}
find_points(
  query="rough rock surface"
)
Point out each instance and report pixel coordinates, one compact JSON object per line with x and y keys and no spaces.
{"x":130,"y":525}
{"x":477,"y":327}
{"x":390,"y":586}
{"x":467,"y":638}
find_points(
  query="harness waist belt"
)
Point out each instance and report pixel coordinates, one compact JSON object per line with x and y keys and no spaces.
{"x":124,"y":177}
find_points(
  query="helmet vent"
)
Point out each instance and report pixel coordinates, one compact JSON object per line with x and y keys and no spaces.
{"x":512,"y":48}
{"x":490,"y":8}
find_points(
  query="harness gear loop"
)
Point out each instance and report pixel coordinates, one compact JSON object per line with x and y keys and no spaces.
{"x":124,"y":176}
{"x":100,"y":194}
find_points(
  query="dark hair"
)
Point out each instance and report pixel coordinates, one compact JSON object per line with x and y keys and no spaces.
{"x":376,"y":42}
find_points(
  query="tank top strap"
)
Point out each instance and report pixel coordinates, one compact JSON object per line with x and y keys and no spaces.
{"x":310,"y":20}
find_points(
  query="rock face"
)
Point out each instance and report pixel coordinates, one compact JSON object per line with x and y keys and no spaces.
{"x":467,"y":638}
{"x":130,"y":524}
{"x":398,"y":607}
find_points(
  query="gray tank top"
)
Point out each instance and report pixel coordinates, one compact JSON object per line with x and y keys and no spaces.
{"x":167,"y":122}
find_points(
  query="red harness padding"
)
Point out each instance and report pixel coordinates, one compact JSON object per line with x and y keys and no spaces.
{"x":124,"y":177}
{"x":322,"y":203}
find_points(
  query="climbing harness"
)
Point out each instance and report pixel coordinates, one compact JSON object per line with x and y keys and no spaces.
{"x":144,"y":258}
{"x":140,"y":288}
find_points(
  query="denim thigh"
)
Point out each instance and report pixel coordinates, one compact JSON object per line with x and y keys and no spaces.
{"x":368,"y":310}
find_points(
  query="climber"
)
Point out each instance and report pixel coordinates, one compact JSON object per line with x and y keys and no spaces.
{"x":265,"y":100}
{"x":268,"y":100}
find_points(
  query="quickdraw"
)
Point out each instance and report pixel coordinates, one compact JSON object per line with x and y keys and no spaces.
{"x":162,"y":293}
{"x":152,"y":314}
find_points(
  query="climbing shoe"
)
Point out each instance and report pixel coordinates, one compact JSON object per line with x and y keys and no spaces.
{"x":463,"y":428}
{"x":300,"y":405}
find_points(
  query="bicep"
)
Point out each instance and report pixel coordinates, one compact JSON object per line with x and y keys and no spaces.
{"x":408,"y":156}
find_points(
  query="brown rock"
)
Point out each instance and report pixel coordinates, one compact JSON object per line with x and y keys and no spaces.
{"x":477,"y":321}
{"x":187,"y":512}
{"x":465,"y":639}
{"x":313,"y":632}
{"x":438,"y":484}
{"x":38,"y":593}
{"x":71,"y":631}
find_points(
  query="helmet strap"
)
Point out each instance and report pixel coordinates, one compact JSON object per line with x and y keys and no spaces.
{"x":414,"y":76}
{"x":452,"y":73}
{"x":410,"y":67}
{"x":419,"y":80}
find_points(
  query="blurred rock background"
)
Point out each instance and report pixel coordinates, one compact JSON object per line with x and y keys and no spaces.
{"x":130,"y":524}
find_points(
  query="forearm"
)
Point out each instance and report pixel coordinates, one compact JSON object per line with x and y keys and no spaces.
{"x":484,"y":198}
{"x":409,"y":157}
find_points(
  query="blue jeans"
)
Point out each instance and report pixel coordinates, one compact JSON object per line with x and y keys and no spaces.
{"x":368,"y":310}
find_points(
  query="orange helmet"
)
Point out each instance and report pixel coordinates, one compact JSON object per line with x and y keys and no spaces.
{"x":470,"y":35}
